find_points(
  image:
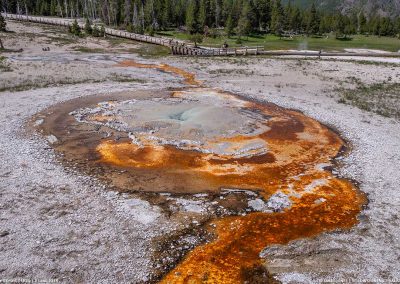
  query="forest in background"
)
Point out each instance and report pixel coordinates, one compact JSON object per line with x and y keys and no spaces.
{"x":212,"y":17}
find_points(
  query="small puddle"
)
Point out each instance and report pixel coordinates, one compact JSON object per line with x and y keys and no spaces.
{"x":255,"y":167}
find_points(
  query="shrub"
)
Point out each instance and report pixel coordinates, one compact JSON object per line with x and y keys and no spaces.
{"x":75,"y":29}
{"x":102,"y":31}
{"x":88,"y":27}
{"x":129,"y":28}
{"x":196,"y":38}
{"x":3,"y":24}
{"x":95,"y":31}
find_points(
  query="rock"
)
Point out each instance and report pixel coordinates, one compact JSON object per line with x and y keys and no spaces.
{"x":258,"y":205}
{"x":52,"y":139}
{"x":278,"y":202}
{"x":39,"y":122}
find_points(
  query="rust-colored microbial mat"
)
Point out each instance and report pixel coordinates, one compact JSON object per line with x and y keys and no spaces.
{"x":189,"y":78}
{"x":206,"y":140}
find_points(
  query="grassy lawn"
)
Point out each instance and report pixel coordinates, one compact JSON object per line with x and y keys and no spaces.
{"x":272,"y":42}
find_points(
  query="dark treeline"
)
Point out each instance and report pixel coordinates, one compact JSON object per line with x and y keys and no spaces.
{"x":240,"y":17}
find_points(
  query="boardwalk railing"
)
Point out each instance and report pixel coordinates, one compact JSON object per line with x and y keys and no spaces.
{"x":113,"y":32}
{"x":179,"y":47}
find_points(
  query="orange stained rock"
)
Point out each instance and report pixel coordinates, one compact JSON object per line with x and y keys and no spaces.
{"x":296,"y":146}
{"x":240,"y":239}
{"x":189,"y":78}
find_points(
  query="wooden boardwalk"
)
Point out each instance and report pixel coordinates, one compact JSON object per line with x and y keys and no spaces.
{"x":183,"y":48}
{"x":178,"y":47}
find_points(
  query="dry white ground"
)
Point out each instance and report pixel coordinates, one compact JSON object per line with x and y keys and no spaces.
{"x":57,"y":223}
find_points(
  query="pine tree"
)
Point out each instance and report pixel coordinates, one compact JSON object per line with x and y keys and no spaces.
{"x":362,"y":23}
{"x":386,"y":27}
{"x":192,"y":24}
{"x":216,"y":7}
{"x":203,"y":13}
{"x":229,"y":26}
{"x":158,"y":17}
{"x":53,"y":8}
{"x":44,"y":9}
{"x":141,"y":19}
{"x":167,"y":17}
{"x":180,"y":13}
{"x":340,"y":26}
{"x":263,"y":8}
{"x":397,"y":27}
{"x":127,"y":12}
{"x":325,"y":25}
{"x":313,"y":21}
{"x":150,"y":16}
{"x":277,"y":18}
{"x":88,"y":27}
{"x":349,"y":27}
{"x":3,"y":23}
{"x":75,"y":29}
{"x":135,"y":18}
{"x":376,"y":26}
{"x":244,"y":26}
{"x":287,"y":18}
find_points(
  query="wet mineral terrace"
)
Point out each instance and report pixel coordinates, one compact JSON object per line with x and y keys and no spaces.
{"x":248,"y":175}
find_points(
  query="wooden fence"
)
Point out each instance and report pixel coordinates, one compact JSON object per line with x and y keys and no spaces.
{"x":179,"y":47}
{"x":113,"y":32}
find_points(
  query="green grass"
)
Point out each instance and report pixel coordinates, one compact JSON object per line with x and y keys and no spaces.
{"x":38,"y":84}
{"x":272,"y":42}
{"x":151,"y":50}
{"x":4,"y":66}
{"x":143,"y":49}
{"x":125,"y":79}
{"x":61,"y":40}
{"x":88,"y":49}
{"x":380,"y":98}
{"x":31,"y":85}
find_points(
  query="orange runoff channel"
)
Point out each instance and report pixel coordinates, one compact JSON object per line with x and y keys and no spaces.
{"x":297,"y":144}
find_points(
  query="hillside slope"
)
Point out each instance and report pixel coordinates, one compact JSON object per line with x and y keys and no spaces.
{"x":370,"y":7}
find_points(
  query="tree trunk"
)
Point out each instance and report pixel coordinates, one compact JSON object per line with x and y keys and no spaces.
{"x":66,"y":8}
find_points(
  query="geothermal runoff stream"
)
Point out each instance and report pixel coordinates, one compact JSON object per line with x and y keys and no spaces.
{"x":263,"y":171}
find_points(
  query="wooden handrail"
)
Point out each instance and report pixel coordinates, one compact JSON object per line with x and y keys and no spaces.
{"x":183,"y":48}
